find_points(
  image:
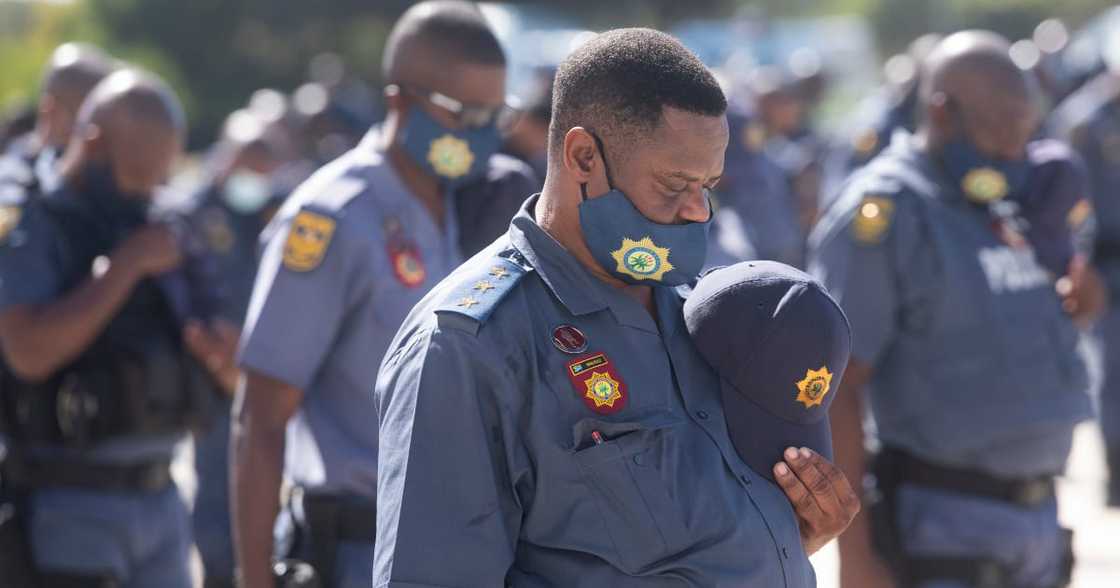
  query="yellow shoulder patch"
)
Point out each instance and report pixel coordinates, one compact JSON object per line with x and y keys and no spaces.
{"x":1079,"y":213}
{"x":308,"y":239}
{"x":873,"y":218}
{"x":9,"y":219}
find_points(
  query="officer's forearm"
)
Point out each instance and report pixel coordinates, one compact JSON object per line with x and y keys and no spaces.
{"x":39,"y":339}
{"x":847,"y":440}
{"x":256,"y":466}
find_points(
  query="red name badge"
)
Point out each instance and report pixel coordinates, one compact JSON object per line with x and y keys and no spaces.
{"x":597,"y":383}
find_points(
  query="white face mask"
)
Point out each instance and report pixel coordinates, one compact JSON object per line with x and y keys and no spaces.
{"x":246,"y":192}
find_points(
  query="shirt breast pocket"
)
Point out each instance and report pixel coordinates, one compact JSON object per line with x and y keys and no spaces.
{"x":624,"y":475}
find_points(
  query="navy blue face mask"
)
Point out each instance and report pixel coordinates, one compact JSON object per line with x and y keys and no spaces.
{"x":454,"y":156}
{"x":635,"y":249}
{"x":982,"y":179}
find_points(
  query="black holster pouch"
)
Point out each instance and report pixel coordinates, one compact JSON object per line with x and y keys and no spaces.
{"x":329,"y":519}
{"x":882,"y":500}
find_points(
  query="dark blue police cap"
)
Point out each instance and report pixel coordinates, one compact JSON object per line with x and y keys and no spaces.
{"x":780,"y":345}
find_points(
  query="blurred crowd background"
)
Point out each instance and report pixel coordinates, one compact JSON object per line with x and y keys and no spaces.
{"x":324,"y":56}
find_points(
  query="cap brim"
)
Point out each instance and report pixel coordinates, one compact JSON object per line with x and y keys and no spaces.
{"x":760,"y":438}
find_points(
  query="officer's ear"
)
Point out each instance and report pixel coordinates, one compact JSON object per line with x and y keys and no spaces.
{"x":394,"y":98}
{"x":88,"y":142}
{"x":579,"y":155}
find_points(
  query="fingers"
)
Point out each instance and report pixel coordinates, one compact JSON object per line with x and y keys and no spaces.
{"x":804,"y":464}
{"x":204,"y":346}
{"x":228,"y":334}
{"x":845,"y":495}
{"x":796,"y":490}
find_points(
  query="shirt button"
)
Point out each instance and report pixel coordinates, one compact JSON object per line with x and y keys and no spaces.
{"x":638,"y":459}
{"x":746,"y":479}
{"x":703,"y":414}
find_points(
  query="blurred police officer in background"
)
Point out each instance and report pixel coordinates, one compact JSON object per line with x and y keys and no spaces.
{"x":28,"y":165}
{"x":755,"y":213}
{"x":975,"y":381}
{"x":347,"y":256}
{"x":1090,"y":120}
{"x":528,"y":140}
{"x":230,"y":209}
{"x":96,"y":299}
{"x":896,"y":108}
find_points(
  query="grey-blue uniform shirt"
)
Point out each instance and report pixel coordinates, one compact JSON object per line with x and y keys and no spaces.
{"x":1090,"y":120}
{"x":975,"y":363}
{"x":598,"y":459}
{"x":346,"y":257}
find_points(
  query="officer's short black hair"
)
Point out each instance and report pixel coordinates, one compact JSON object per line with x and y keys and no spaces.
{"x":431,"y":34}
{"x":618,"y":83}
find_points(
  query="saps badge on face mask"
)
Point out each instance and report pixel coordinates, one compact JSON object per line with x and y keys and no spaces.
{"x":455,"y":156}
{"x":635,"y":249}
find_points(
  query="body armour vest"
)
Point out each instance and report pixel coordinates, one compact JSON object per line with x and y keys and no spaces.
{"x":136,"y":378}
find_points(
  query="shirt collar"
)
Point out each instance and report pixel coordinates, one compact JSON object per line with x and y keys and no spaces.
{"x":576,"y":288}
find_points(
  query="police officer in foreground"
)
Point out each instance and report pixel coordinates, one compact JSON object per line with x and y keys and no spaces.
{"x":545,"y":419}
{"x":27,"y":167}
{"x":98,"y":384}
{"x":350,"y":252}
{"x":975,"y":381}
{"x":1090,"y":120}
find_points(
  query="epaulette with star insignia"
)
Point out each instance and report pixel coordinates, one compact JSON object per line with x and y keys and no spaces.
{"x":477,"y":294}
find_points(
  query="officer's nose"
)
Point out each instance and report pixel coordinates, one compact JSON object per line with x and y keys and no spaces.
{"x":696,"y":209}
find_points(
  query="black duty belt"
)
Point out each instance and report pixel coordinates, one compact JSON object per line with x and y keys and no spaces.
{"x":1024,"y":492}
{"x":143,"y":477}
{"x":349,"y":518}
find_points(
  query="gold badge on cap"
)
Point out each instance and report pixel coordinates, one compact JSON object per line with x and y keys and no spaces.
{"x":450,"y":156}
{"x":308,"y":240}
{"x":873,"y":218}
{"x":642,"y":260}
{"x":984,"y":185}
{"x":9,"y":219}
{"x":812,"y":390}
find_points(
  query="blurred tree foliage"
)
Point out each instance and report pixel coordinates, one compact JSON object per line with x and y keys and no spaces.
{"x":216,"y":52}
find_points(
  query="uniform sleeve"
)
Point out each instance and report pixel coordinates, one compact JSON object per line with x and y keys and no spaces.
{"x":1057,"y":207}
{"x":295,"y":315}
{"x":446,"y":509}
{"x":851,"y":253}
{"x":27,"y":264}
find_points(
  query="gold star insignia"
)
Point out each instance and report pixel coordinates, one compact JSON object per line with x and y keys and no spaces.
{"x":499,"y":272}
{"x":812,"y":389}
{"x":483,"y":286}
{"x":467,"y":302}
